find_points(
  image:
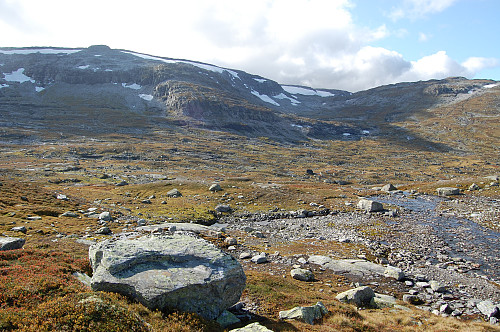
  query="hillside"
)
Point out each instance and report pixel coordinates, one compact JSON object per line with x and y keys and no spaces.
{"x":92,"y":90}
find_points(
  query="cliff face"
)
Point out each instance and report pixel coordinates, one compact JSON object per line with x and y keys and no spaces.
{"x":100,"y":90}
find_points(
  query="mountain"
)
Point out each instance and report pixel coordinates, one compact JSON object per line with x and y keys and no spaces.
{"x":98,"y":91}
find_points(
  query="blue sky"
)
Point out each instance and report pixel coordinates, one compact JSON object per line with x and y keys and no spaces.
{"x":464,"y":29}
{"x":340,"y":44}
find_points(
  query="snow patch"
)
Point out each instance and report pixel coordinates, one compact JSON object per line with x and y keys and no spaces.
{"x":283,"y":96}
{"x":365,"y":132}
{"x":134,"y":86}
{"x":40,"y":50}
{"x":265,"y":98}
{"x":4,"y":86}
{"x":18,"y":76}
{"x":260,"y":80}
{"x":146,"y":97}
{"x":298,"y":90}
{"x":324,"y":93}
{"x":108,"y":70}
{"x":39,"y":88}
{"x":83,"y":67}
{"x":489,"y":86}
{"x":306,"y":91}
{"x":346,"y":134}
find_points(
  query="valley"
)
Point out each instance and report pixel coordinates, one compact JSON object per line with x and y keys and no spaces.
{"x":291,"y":177}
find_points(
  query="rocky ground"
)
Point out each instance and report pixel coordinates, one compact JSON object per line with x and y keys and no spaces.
{"x":280,"y":217}
{"x":404,"y":239}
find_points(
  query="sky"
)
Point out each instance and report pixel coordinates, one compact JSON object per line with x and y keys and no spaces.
{"x":338,"y":44}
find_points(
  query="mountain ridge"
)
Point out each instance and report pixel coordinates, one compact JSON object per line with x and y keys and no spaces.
{"x":49,"y":87}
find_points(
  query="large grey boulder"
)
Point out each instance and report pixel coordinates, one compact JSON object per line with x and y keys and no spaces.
{"x":360,"y":296}
{"x":369,"y":205}
{"x":179,"y":271}
{"x":11,"y":243}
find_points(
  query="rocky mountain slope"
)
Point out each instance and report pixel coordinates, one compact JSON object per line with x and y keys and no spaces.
{"x":102,"y":90}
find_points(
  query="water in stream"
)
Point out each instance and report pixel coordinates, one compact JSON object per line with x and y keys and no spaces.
{"x":465,"y":238}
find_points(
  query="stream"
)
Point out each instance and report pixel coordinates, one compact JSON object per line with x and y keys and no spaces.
{"x":464,"y":238}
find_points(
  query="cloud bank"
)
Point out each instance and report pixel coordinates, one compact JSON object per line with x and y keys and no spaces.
{"x":305,"y":42}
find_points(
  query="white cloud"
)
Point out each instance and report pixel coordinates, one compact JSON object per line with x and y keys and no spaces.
{"x":415,"y":9}
{"x":423,"y":37}
{"x":309,"y":42}
{"x":476,"y":64}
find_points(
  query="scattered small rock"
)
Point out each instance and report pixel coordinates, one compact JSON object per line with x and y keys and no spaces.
{"x":259,"y":259}
{"x":437,"y":286}
{"x":447,"y":191}
{"x":245,"y":255}
{"x":227,"y":318}
{"x":360,"y":296}
{"x":62,"y":197}
{"x":223,"y":208}
{"x":473,"y":187}
{"x":488,"y":308}
{"x":11,"y":243}
{"x":254,"y":327}
{"x":370,"y":206}
{"x":388,"y":187}
{"x":412,"y":299}
{"x":21,"y":229}
{"x":306,"y":314}
{"x":69,"y":214}
{"x":174,"y":193}
{"x":302,"y":274}
{"x":394,"y":272}
{"x":230,"y":241}
{"x":104,"y":231}
{"x":383,"y":301}
{"x":215,"y":187}
{"x":105,"y":216}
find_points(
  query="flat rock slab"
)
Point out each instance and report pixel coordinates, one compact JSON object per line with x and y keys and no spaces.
{"x":11,"y":243}
{"x":355,"y":267}
{"x":162,"y":271}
